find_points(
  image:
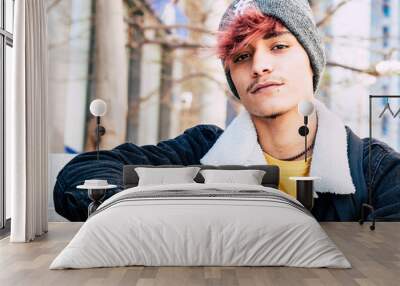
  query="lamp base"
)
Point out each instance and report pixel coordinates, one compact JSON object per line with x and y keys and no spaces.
{"x":361,"y":221}
{"x":97,"y":196}
{"x":304,"y":193}
{"x":305,"y":190}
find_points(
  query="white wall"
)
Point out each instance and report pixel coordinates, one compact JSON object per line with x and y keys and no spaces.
{"x":56,"y":162}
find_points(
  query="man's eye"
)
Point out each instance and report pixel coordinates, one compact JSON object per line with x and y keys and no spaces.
{"x":240,"y":58}
{"x":279,"y":47}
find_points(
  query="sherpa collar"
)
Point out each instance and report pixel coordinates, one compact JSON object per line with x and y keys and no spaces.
{"x":238,"y":145}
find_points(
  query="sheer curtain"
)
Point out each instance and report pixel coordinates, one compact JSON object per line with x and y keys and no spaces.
{"x":26,"y":123}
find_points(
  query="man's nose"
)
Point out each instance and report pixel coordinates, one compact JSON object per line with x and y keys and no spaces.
{"x":262,"y":62}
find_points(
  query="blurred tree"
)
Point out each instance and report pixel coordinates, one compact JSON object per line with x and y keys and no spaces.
{"x":120,"y":39}
{"x":111,"y":78}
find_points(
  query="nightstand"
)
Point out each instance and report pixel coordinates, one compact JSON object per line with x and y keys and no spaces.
{"x":97,"y":190}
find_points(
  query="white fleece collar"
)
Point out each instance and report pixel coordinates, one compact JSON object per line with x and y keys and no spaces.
{"x":238,"y":145}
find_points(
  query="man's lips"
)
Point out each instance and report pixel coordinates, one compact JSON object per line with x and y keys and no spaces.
{"x":260,"y":86}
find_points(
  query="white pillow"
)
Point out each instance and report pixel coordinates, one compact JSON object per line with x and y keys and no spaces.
{"x":249,"y":177}
{"x":161,"y":176}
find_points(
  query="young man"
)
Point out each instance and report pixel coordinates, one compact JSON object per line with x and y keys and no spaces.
{"x":273,"y":59}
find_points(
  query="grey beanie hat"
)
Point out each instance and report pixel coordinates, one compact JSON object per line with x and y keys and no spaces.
{"x":297,"y":17}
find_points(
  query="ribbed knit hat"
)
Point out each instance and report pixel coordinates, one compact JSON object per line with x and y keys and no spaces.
{"x":297,"y":17}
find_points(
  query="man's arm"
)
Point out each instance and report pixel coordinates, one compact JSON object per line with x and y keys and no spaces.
{"x":385,"y":179}
{"x":186,"y":149}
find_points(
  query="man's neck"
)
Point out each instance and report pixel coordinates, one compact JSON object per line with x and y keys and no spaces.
{"x":279,"y":137}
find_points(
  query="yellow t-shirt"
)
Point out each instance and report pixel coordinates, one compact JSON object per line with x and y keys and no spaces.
{"x":289,"y":169}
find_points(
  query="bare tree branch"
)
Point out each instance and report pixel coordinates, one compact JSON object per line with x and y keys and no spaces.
{"x":67,"y":41}
{"x":184,"y":79}
{"x":331,"y":11}
{"x":169,"y":44}
{"x":52,"y":5}
{"x":370,"y":71}
{"x":329,"y":37}
{"x":203,"y":75}
{"x":170,"y":27}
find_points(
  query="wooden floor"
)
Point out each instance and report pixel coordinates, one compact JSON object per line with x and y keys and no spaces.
{"x":374,"y":255}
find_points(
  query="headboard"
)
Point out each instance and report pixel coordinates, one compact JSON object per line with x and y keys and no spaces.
{"x":270,"y":179}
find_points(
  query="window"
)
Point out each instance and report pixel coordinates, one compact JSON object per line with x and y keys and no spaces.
{"x":6,"y":44}
{"x":386,"y":8}
{"x":385,"y":36}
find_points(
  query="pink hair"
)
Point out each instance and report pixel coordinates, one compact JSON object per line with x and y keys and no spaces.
{"x":244,"y":29}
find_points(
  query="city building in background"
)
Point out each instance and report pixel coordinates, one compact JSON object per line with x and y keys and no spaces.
{"x":357,"y":44}
{"x":319,"y":9}
{"x":385,"y":34}
{"x":350,"y":46}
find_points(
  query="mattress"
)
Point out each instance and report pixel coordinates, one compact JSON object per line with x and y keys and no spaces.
{"x":201,"y":225}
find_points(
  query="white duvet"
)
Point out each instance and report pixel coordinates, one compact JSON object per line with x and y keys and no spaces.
{"x":206,"y":230}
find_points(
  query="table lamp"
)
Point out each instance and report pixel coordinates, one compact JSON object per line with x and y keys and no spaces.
{"x":98,"y":108}
{"x":304,"y":185}
{"x":305,"y":109}
{"x":97,"y":188}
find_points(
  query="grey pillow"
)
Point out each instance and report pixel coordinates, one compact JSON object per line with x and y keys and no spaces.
{"x":249,"y":177}
{"x":161,"y":176}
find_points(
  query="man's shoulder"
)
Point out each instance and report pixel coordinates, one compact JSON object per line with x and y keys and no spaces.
{"x":378,"y":147}
{"x":359,"y":149}
{"x":211,"y":129}
{"x":384,"y":162}
{"x":206,"y":133}
{"x":199,"y":133}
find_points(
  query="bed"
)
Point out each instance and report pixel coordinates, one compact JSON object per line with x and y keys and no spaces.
{"x":201,"y":223}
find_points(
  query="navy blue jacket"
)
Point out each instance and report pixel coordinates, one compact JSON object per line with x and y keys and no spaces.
{"x":193,"y":144}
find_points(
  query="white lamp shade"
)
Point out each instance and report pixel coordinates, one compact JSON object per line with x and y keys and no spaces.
{"x":98,"y":107}
{"x":305,"y":107}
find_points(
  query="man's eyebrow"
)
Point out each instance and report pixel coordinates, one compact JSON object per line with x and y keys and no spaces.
{"x":275,"y":34}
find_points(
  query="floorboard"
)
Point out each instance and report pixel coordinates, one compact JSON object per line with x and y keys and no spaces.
{"x":374,"y":255}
